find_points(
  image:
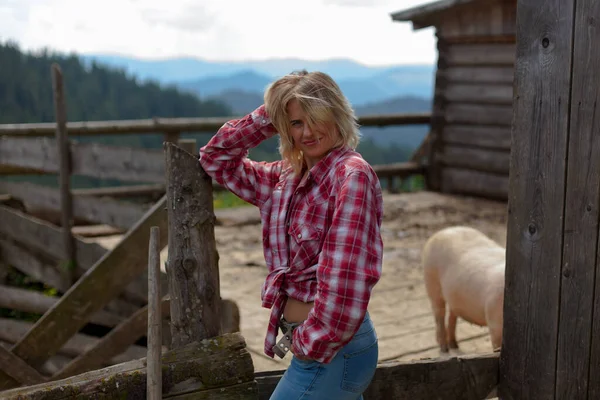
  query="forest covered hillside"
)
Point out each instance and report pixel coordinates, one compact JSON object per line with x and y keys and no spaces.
{"x":93,"y":92}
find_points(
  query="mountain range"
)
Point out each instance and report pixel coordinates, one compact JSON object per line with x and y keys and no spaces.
{"x":362,"y":84}
{"x":240,"y":85}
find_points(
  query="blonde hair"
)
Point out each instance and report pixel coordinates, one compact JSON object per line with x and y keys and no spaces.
{"x":323,"y":102}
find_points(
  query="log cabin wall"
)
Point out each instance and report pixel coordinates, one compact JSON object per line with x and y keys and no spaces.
{"x":472,"y":112}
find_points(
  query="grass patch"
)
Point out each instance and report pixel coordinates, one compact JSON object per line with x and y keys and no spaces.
{"x":18,"y":279}
{"x":226,"y":199}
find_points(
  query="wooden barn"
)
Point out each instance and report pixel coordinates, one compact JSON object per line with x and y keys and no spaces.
{"x":472,"y":110}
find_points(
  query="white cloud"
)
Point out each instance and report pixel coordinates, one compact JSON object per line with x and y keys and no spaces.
{"x":366,"y":4}
{"x":189,"y":16}
{"x":221,"y":29}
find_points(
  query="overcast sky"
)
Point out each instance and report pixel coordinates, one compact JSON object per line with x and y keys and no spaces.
{"x":221,"y":29}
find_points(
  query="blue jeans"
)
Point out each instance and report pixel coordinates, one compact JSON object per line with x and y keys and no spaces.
{"x":345,"y":377}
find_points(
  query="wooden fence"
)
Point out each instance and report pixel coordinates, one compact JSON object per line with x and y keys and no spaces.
{"x":222,"y":366}
{"x":30,"y":149}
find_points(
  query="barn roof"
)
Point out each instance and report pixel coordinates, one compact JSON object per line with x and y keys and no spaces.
{"x":425,"y":13}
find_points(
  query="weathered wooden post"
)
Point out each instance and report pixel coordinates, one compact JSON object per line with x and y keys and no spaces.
{"x":390,"y":184}
{"x":551,"y":343}
{"x":64,"y":156}
{"x":172,"y":136}
{"x":154,"y":375}
{"x":192,"y":264}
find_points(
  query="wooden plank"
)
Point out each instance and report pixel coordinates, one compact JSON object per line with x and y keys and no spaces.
{"x":427,"y":10}
{"x":466,"y":377}
{"x":401,"y":169}
{"x":155,"y":189}
{"x":44,"y":238}
{"x":474,"y":183}
{"x":478,"y":93}
{"x":8,"y":170}
{"x":68,"y":259}
{"x":220,"y":363}
{"x":161,"y":125}
{"x":118,"y":127}
{"x":491,"y":137}
{"x":575,"y":369}
{"x":154,"y":320}
{"x":13,"y":330}
{"x":38,"y":154}
{"x":594,"y":386}
{"x":192,"y":264}
{"x":480,"y":54}
{"x":49,"y":366}
{"x":36,"y":302}
{"x":472,"y":114}
{"x":88,"y":159}
{"x":123,"y":336}
{"x":433,"y":173}
{"x":112,"y":344}
{"x":95,"y":160}
{"x":90,"y":231}
{"x":37,"y":267}
{"x":116,"y":162}
{"x":478,"y":20}
{"x":116,"y":213}
{"x":18,"y":369}
{"x":537,"y":200}
{"x":394,"y":119}
{"x":476,"y":74}
{"x":482,"y":39}
{"x":484,"y":160}
{"x":102,"y":282}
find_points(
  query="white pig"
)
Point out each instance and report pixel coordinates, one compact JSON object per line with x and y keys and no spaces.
{"x":465,"y":269}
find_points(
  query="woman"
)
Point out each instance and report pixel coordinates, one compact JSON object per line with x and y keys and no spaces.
{"x":321,"y":211}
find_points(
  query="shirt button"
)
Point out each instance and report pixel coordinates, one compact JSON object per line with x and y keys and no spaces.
{"x":299,"y":236}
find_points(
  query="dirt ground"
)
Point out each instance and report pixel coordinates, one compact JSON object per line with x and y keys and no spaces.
{"x":399,"y":306}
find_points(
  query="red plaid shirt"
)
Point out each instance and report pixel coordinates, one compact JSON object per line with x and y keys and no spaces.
{"x":321,"y":234}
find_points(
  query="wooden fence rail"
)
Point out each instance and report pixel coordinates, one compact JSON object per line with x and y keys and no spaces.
{"x":28,"y":149}
{"x":162,"y":125}
{"x":468,"y":377}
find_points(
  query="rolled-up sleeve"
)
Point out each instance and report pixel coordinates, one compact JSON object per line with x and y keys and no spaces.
{"x":225,"y":157}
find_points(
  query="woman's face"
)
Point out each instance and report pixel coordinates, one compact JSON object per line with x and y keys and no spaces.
{"x":314,"y":143}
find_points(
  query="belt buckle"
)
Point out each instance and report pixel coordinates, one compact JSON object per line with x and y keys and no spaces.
{"x":285,"y":343}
